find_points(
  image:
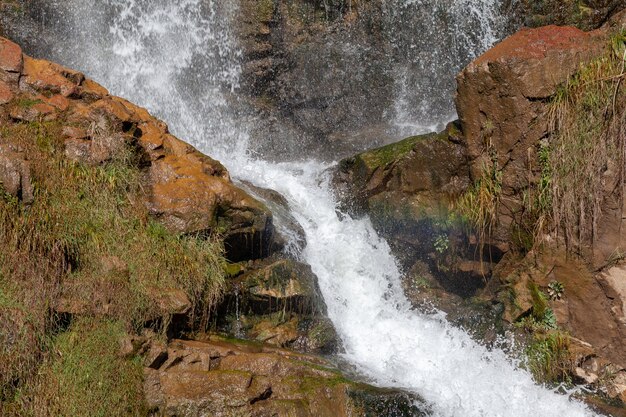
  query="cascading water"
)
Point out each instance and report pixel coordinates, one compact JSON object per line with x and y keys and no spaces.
{"x":178,"y":59}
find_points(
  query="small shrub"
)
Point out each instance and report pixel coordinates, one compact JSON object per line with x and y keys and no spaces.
{"x":548,"y":357}
{"x":555,"y":290}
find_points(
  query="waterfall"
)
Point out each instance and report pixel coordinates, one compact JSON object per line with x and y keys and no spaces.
{"x":179,"y":60}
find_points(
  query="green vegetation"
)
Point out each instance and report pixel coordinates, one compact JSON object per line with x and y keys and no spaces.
{"x":383,"y":156}
{"x":585,"y":151}
{"x":549,"y":358}
{"x":85,"y":376}
{"x":577,"y":163}
{"x":88,"y":246}
{"x":547,"y":355}
{"x":555,"y":290}
{"x":478,"y":207}
{"x":541,"y":316}
{"x":27,"y":102}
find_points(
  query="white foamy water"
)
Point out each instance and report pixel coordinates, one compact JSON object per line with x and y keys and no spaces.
{"x":383,"y":337}
{"x":179,"y":60}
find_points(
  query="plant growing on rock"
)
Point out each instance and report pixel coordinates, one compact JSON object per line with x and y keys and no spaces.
{"x":478,"y":206}
{"x":549,"y":358}
{"x":541,"y":317}
{"x":84,"y":245}
{"x":555,"y":290}
{"x":586,"y":148}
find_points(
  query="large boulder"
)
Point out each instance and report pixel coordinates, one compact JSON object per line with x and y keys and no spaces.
{"x":502,"y":102}
{"x":405,"y":181}
{"x":192,"y":193}
{"x":408,"y":189}
{"x":215,"y":377}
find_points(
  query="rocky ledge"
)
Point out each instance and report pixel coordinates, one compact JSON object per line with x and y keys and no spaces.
{"x":188,"y":191}
{"x":220,"y":377}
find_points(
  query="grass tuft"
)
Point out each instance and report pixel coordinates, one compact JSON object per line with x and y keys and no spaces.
{"x":478,"y":206}
{"x":586,"y":149}
{"x":85,"y":376}
{"x":549,"y":358}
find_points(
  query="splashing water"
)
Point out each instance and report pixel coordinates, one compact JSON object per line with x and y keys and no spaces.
{"x":444,"y":35}
{"x":179,"y":60}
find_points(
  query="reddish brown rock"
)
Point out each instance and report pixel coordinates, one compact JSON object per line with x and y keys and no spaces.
{"x":138,"y":113}
{"x":6,"y":95}
{"x":590,"y":307}
{"x":218,"y":378}
{"x":96,"y":150}
{"x":74,"y":133}
{"x":91,"y":90}
{"x":617,"y":386}
{"x":58,"y":101}
{"x":169,"y":301}
{"x":151,"y":139}
{"x":115,"y":110}
{"x":179,"y":148}
{"x":10,"y":56}
{"x":33,"y":112}
{"x":280,"y":335}
{"x":47,"y":76}
{"x":500,"y":102}
{"x":192,"y":193}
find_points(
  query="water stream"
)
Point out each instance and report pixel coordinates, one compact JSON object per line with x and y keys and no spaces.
{"x":180,"y":60}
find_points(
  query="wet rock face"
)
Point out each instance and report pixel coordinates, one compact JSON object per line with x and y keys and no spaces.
{"x":303,"y":71}
{"x":420,"y":173}
{"x":187,"y":191}
{"x":214,"y":377}
{"x":278,"y":302}
{"x":408,"y":189}
{"x":334,"y":74}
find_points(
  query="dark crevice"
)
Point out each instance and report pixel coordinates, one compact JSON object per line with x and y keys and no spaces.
{"x":264,"y":396}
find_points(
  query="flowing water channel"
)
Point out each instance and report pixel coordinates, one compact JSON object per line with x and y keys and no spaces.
{"x":180,"y":60}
